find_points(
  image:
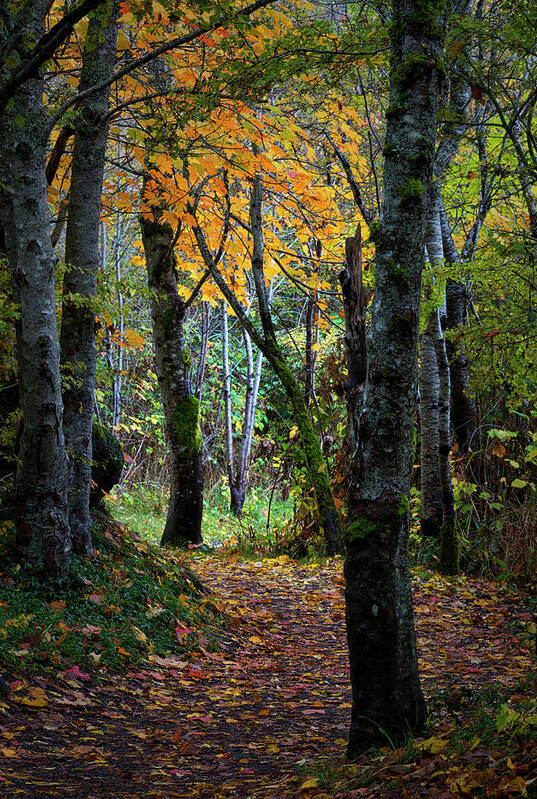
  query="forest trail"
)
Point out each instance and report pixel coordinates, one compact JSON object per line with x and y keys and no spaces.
{"x":239,"y":722}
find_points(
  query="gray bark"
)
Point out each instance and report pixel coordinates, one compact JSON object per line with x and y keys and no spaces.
{"x":238,"y":477}
{"x":449,"y":548}
{"x":226,"y":390}
{"x":43,"y":534}
{"x":387,"y":698}
{"x":355,"y":300}
{"x":82,"y":265}
{"x":431,"y":486}
{"x":311,"y":337}
{"x":204,"y":342}
{"x":449,"y":544}
{"x":431,"y":490}
{"x":463,"y":409}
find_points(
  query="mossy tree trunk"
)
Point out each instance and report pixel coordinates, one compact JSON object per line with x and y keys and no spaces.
{"x":387,"y":700}
{"x":82,"y":265}
{"x":181,"y":407}
{"x":43,"y":534}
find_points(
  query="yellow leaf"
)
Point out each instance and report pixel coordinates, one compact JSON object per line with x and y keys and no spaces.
{"x":190,"y":220}
{"x":133,"y":339}
{"x":311,"y":783}
{"x":139,"y":635}
{"x":435,"y":745}
{"x":38,"y":701}
{"x":293,"y":431}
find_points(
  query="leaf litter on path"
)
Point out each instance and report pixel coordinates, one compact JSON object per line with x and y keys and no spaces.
{"x":241,"y":722}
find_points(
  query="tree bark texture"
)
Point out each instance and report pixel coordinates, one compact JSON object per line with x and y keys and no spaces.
{"x":311,"y":359}
{"x":82,"y":265}
{"x":238,"y":477}
{"x":463,"y":409}
{"x":449,"y":544}
{"x":387,"y":698}
{"x":355,"y":300}
{"x":228,"y":411}
{"x":431,"y":490}
{"x":205,"y":321}
{"x":43,"y":534}
{"x":181,"y":407}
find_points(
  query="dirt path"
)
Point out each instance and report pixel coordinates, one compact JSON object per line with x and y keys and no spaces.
{"x":239,"y":724}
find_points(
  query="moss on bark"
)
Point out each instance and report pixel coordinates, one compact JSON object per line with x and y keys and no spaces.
{"x":186,"y":424}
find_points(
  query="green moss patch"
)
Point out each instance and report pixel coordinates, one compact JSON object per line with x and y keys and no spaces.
{"x":186,"y":424}
{"x":126,"y":605}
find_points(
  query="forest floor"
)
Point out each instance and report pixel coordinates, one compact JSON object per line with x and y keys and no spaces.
{"x":267,"y":715}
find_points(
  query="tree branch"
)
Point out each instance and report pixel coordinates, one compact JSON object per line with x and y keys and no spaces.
{"x":45,"y":48}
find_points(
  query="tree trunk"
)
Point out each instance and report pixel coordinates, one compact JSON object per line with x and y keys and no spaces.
{"x":181,"y":407}
{"x":238,"y":478}
{"x":43,"y":534}
{"x":449,"y":542}
{"x":226,"y":387}
{"x":204,"y":346}
{"x":355,"y":300}
{"x":250,"y":405}
{"x":387,"y":699}
{"x":463,"y":409}
{"x":431,"y":490}
{"x":82,"y":265}
{"x":311,"y":339}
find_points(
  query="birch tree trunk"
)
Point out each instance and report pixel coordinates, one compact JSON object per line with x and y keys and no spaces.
{"x":204,"y":346}
{"x":82,"y":265}
{"x":43,"y":534}
{"x":228,"y":411}
{"x":250,"y":405}
{"x":387,"y":697}
{"x":311,"y":340}
{"x":463,"y":409}
{"x":449,"y":545}
{"x":238,"y":477}
{"x":431,"y":489}
{"x":181,"y":407}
